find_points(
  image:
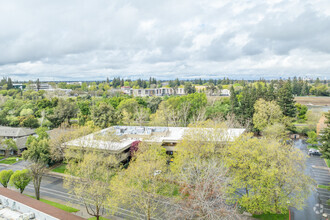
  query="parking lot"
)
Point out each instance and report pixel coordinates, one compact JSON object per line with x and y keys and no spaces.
{"x":316,"y":204}
{"x":321,"y":175}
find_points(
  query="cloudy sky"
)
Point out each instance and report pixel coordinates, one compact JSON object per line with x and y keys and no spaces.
{"x":88,"y":40}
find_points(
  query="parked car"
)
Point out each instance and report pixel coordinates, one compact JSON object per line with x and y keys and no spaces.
{"x":314,"y":152}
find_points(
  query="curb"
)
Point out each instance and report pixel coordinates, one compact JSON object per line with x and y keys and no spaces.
{"x":321,"y":167}
{"x":58,"y":175}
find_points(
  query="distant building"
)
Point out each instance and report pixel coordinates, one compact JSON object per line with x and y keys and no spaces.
{"x":225,"y":92}
{"x":152,"y":92}
{"x":127,"y":90}
{"x":18,"y":206}
{"x":74,"y":83}
{"x":19,"y":135}
{"x":42,"y":86}
{"x":19,"y":86}
{"x":118,"y":140}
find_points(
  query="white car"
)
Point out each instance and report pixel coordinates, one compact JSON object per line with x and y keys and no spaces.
{"x":313,"y":151}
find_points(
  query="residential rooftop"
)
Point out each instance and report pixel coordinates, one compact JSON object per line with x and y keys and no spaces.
{"x":11,"y":132}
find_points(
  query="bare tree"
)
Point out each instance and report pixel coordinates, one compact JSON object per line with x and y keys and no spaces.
{"x":199,"y":116}
{"x":174,"y":117}
{"x":184,"y":113}
{"x":203,"y":191}
{"x":64,"y":134}
{"x":89,"y":180}
{"x":37,"y":169}
{"x":141,"y":115}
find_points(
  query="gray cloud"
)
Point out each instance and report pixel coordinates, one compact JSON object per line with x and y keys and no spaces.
{"x":97,"y":39}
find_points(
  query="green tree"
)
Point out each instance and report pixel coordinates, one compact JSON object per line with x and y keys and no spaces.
{"x":103,"y":115}
{"x":38,"y":84}
{"x":5,"y":177}
{"x":312,"y":137}
{"x":9,"y":83}
{"x":247,"y":99}
{"x":162,"y":115}
{"x":84,"y":111}
{"x":277,"y":131}
{"x":29,"y":122}
{"x":64,"y":110}
{"x":286,"y":100}
{"x":20,"y":179}
{"x":301,"y":112}
{"x":153,"y":103}
{"x":38,"y":154}
{"x":266,"y":175}
{"x":189,"y":88}
{"x":270,"y":95}
{"x":266,"y":113}
{"x":141,"y":186}
{"x":9,"y":144}
{"x":26,"y":112}
{"x":127,"y":108}
{"x":89,"y":180}
{"x":233,"y":101}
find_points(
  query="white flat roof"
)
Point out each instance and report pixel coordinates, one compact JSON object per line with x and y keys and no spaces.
{"x":129,"y":134}
{"x":90,"y":141}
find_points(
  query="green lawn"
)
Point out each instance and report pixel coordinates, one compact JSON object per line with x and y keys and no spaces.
{"x":94,"y":218}
{"x":327,"y":161}
{"x":10,"y":160}
{"x":57,"y":205}
{"x":322,"y":186}
{"x":272,"y":216}
{"x":59,"y":169}
{"x":313,"y":146}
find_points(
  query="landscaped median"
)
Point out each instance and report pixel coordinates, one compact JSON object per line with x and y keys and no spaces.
{"x":272,"y":216}
{"x":323,"y":186}
{"x":327,"y":161}
{"x":60,"y":169}
{"x":10,"y":160}
{"x":101,"y":218}
{"x":57,"y":205}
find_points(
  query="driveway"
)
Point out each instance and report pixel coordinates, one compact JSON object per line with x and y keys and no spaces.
{"x":315,"y":205}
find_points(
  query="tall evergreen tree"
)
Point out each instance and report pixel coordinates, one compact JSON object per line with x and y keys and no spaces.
{"x":9,"y":83}
{"x":270,"y":95}
{"x":286,"y":100}
{"x":38,"y":84}
{"x":233,"y":101}
{"x":260,"y":93}
{"x":295,"y":86}
{"x":246,"y":104}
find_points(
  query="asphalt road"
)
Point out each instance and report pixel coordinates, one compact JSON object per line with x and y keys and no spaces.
{"x":317,"y":169}
{"x":52,"y":189}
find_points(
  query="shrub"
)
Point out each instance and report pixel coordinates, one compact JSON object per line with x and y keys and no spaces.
{"x":5,"y":177}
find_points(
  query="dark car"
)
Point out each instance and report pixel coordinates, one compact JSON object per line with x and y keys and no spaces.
{"x":314,"y":152}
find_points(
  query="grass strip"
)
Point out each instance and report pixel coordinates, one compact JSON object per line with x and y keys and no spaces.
{"x":94,"y":218}
{"x":327,"y":161}
{"x":60,"y":169}
{"x":10,"y":160}
{"x":272,"y":216}
{"x":322,"y":186}
{"x":57,"y":205}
